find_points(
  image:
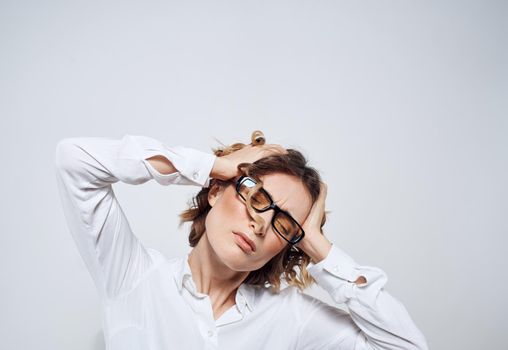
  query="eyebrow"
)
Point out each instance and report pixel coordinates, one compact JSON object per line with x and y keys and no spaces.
{"x":271,"y":196}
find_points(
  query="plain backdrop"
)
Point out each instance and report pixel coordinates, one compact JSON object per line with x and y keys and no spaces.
{"x":401,"y":106}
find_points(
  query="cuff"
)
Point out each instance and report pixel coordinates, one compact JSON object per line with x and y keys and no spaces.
{"x":194,"y":166}
{"x":337,"y":272}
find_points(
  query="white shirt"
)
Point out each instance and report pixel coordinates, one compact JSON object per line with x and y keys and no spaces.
{"x":150,"y":302}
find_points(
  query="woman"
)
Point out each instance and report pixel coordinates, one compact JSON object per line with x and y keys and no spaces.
{"x":256,"y":222}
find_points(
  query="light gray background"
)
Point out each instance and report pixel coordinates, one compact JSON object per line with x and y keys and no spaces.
{"x":400,"y":104}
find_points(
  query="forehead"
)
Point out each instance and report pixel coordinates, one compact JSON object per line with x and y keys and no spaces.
{"x":289,"y":193}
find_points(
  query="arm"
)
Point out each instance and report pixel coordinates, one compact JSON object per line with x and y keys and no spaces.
{"x":162,"y":165}
{"x":86,"y":168}
{"x":222,"y":168}
{"x":376,"y":320}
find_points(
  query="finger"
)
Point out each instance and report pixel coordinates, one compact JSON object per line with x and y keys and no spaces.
{"x":324,"y":188}
{"x":276,"y":149}
{"x":323,"y":193}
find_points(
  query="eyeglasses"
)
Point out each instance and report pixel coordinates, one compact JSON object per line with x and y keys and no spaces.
{"x":261,"y":201}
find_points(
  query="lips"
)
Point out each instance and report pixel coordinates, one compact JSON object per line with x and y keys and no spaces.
{"x":246,"y":239}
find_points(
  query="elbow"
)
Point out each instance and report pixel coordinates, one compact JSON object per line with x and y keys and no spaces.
{"x":66,"y":152}
{"x":420,"y":344}
{"x":414,"y":343}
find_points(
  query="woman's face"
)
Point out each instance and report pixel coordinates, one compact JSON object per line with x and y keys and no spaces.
{"x":229,"y":214}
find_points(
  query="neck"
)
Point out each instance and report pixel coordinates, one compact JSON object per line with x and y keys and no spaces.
{"x":211,"y":276}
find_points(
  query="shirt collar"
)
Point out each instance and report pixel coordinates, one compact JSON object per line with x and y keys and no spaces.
{"x":245,"y":296}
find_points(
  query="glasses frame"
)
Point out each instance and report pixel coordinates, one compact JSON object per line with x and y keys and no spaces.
{"x":273,"y":206}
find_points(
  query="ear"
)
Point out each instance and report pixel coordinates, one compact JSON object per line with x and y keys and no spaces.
{"x":214,"y":194}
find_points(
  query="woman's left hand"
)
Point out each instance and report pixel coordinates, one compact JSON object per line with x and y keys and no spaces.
{"x":314,"y":243}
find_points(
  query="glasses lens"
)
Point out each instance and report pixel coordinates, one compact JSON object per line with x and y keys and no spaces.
{"x":287,"y":227}
{"x":283,"y":223}
{"x":259,"y":200}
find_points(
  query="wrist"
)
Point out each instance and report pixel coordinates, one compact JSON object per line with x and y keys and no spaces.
{"x":316,"y":247}
{"x":221,"y":169}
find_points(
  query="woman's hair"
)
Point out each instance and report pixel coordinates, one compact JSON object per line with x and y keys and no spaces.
{"x":283,"y":264}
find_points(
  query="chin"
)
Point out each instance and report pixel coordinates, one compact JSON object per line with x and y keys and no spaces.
{"x":232,"y":256}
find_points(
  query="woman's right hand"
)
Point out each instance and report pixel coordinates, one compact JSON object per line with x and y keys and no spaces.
{"x":226,"y":167}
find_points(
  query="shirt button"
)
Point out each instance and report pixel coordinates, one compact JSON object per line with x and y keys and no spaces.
{"x":336,"y":268}
{"x":210,"y":333}
{"x":195,"y":175}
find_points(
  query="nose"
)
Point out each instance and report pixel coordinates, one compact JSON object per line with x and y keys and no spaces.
{"x":258,"y":227}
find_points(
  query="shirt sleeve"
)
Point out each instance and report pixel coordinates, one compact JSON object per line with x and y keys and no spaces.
{"x":86,"y":168}
{"x":376,"y":320}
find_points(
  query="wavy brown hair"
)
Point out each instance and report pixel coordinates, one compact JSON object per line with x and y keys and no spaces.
{"x":284,"y":263}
